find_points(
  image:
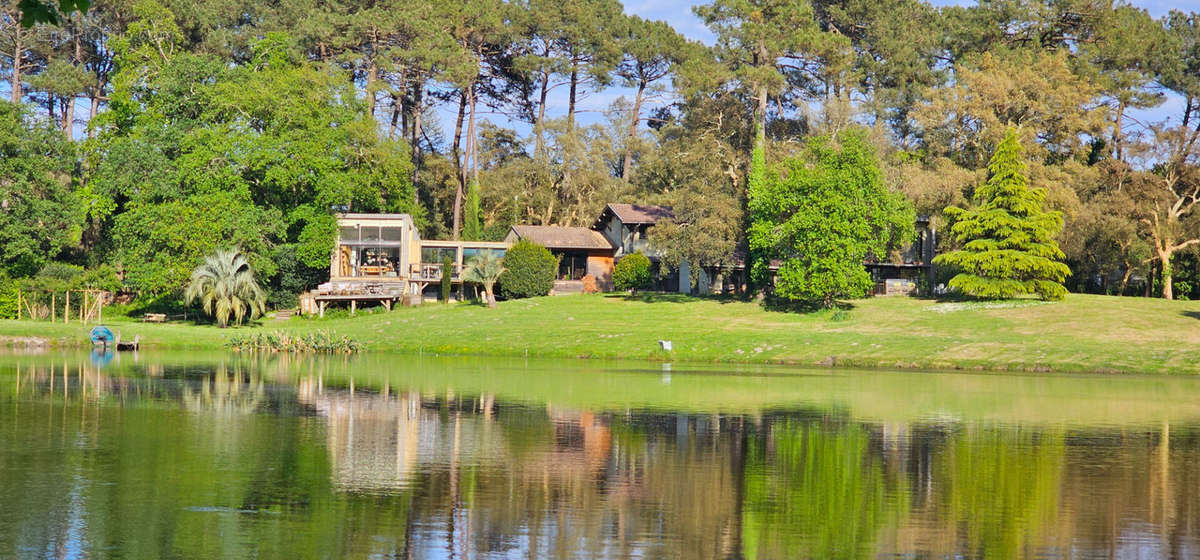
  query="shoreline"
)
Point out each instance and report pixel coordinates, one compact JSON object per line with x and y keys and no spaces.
{"x":1083,"y":335}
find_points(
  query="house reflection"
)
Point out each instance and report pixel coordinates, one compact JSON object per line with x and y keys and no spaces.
{"x":472,"y":475}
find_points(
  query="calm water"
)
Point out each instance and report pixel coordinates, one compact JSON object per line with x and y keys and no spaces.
{"x":183,"y":456}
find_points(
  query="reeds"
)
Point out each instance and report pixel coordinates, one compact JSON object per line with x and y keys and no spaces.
{"x":316,"y":342}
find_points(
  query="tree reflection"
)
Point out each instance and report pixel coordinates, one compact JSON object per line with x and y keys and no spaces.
{"x":286,"y":458}
{"x":817,"y":491}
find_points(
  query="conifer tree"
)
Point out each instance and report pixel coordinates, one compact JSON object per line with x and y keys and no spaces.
{"x":473,"y":221}
{"x":1007,"y":239}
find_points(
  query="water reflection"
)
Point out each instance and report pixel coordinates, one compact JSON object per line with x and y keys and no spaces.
{"x":464,"y":459}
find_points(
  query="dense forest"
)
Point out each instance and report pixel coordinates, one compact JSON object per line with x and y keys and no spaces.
{"x":142,"y":135}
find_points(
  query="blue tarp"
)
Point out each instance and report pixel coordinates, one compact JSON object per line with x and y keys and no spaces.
{"x":103,"y":335}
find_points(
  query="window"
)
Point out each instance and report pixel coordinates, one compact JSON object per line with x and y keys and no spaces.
{"x":348,"y":234}
{"x":572,"y":266}
{"x":379,"y":261}
{"x":392,"y":234}
{"x":435,"y":255}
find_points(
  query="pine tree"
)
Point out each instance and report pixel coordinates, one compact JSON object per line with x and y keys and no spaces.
{"x":1007,"y":239}
{"x":473,"y":221}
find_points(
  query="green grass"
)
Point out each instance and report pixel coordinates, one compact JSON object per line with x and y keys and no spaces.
{"x":1083,"y":333}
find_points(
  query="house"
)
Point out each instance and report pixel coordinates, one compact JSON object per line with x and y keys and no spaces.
{"x":382,"y":258}
{"x":580,"y":251}
{"x":907,"y":269}
{"x":626,"y":227}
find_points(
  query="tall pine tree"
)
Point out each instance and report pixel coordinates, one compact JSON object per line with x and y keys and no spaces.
{"x":1007,"y":239}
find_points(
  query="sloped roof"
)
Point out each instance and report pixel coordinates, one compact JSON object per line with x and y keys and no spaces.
{"x":562,"y":237}
{"x":639,"y":213}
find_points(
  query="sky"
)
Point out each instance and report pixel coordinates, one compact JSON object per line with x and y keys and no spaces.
{"x":679,"y":15}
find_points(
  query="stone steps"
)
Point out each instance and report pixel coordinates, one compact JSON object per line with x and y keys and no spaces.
{"x":568,"y":287}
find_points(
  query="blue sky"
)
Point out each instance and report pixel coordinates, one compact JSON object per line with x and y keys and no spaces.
{"x":679,"y":15}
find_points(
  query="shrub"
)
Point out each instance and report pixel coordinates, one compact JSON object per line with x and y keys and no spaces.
{"x":529,"y":271}
{"x":8,"y":297}
{"x":632,"y":273}
{"x":447,"y":279}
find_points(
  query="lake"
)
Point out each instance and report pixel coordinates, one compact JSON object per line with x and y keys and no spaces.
{"x":386,"y":456}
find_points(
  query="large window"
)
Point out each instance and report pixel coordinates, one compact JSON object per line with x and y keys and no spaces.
{"x":436,"y":255}
{"x":370,"y":251}
{"x":572,"y":266}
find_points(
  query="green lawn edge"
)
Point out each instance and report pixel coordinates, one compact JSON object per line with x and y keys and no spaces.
{"x":1084,"y":333}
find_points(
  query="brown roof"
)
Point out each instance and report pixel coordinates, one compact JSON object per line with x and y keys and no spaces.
{"x":640,"y":213}
{"x":562,"y":237}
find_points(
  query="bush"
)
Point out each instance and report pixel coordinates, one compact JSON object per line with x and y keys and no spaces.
{"x":447,"y":279}
{"x":632,"y":273}
{"x":8,"y":297}
{"x":529,"y":271}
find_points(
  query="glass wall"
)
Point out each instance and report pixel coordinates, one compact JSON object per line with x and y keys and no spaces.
{"x":370,"y":251}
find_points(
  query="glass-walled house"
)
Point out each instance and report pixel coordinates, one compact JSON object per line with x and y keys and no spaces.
{"x":380,"y":258}
{"x":373,"y":247}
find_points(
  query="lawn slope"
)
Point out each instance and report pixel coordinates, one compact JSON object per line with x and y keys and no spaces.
{"x":1083,"y":333}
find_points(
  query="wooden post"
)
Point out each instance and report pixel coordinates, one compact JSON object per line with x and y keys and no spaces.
{"x":353,"y":307}
{"x":52,"y":304}
{"x":82,"y":318}
{"x":18,"y":304}
{"x":67,"y":309}
{"x":99,"y":308}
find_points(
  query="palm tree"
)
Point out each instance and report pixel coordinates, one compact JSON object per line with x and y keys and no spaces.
{"x":485,"y":268}
{"x":225,"y":285}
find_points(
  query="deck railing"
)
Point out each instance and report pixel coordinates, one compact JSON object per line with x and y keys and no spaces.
{"x":433,"y":272}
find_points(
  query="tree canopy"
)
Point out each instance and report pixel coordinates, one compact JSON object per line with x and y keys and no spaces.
{"x":821,"y":216}
{"x":182,"y":124}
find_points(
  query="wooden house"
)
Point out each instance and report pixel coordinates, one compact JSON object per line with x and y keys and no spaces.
{"x":626,"y":227}
{"x":580,"y":251}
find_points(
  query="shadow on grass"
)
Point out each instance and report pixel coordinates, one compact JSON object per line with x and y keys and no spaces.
{"x":668,"y":297}
{"x":781,"y":305}
{"x":1192,"y":314}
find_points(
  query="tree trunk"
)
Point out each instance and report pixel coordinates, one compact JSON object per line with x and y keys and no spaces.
{"x":458,"y":192}
{"x":17,"y":47}
{"x":472,"y":143}
{"x":92,"y":111}
{"x":418,"y":90}
{"x":633,"y":125}
{"x":69,"y":117}
{"x":1117,"y":133}
{"x":395,"y":116}
{"x":540,"y":123}
{"x":1164,"y":256}
{"x":571,"y":95}
{"x":760,"y":137}
{"x":372,"y":70}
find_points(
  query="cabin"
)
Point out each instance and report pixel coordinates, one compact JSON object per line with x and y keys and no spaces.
{"x":581,"y":252}
{"x":626,"y":226}
{"x":905,"y":271}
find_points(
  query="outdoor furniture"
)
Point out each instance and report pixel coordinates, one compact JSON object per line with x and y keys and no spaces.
{"x":154,"y":318}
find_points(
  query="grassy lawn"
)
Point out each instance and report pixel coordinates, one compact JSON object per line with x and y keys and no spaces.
{"x":1083,"y":333}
